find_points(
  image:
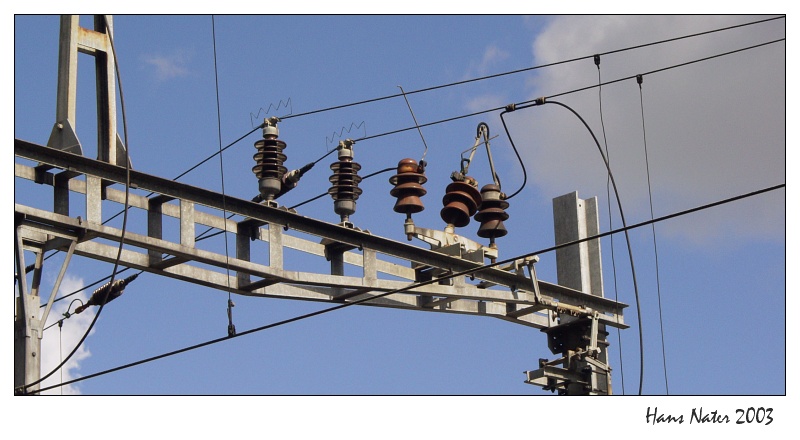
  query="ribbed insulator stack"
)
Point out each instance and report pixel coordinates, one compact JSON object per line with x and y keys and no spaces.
{"x":461,"y":201}
{"x":345,"y":180}
{"x":106,"y":293}
{"x":408,"y":187}
{"x":492,"y":213}
{"x":269,"y":162}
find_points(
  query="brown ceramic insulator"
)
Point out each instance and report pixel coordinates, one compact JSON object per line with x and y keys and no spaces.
{"x":269,"y":158}
{"x":344,"y":189}
{"x":461,"y":200}
{"x":492,"y":213}
{"x":408,"y":187}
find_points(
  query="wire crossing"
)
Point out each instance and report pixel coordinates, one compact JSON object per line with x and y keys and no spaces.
{"x":610,"y":225}
{"x":424,"y":283}
{"x":639,"y":80}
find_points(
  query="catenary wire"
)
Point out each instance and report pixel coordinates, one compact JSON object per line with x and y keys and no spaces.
{"x":527,"y":69}
{"x":425,"y":283}
{"x":460,"y":117}
{"x":489,"y":110}
{"x":231,"y":327}
{"x":639,"y":80}
{"x":581,"y":89}
{"x":428,"y":89}
{"x":610,"y":225}
{"x":448,"y":120}
{"x":542,"y":101}
{"x":121,"y":241}
{"x":627,"y":240}
{"x":24,"y":387}
{"x":663,"y":69}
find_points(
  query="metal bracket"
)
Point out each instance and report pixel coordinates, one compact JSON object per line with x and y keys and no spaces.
{"x":450,"y":243}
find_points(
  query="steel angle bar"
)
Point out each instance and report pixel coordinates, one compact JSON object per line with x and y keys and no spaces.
{"x":300,"y":223}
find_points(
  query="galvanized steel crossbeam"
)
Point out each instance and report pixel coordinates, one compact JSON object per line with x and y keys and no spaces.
{"x":516,"y":305}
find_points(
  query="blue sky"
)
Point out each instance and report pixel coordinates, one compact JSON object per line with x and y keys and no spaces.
{"x":715,"y":129}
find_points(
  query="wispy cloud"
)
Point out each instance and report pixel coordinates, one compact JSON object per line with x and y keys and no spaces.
{"x":167,"y":67}
{"x":488,"y":63}
{"x":714,"y":129}
{"x":58,"y":342}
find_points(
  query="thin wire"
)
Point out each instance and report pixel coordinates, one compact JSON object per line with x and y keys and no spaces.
{"x":465,"y":116}
{"x":542,"y":101}
{"x":663,"y":69}
{"x":533,"y":101}
{"x":416,"y":124}
{"x":60,"y":352}
{"x":231,"y":327}
{"x":124,"y":217}
{"x":517,"y":106}
{"x":521,"y":163}
{"x":655,"y":243}
{"x":326,"y":193}
{"x":425,"y":283}
{"x":66,"y":315}
{"x":324,"y":156}
{"x":488,"y":110}
{"x":528,"y":69}
{"x":627,"y":240}
{"x":610,"y":225}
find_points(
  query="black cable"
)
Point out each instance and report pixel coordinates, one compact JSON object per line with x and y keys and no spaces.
{"x":231,"y":327}
{"x":483,"y":111}
{"x":627,"y":240}
{"x":323,"y":156}
{"x":521,"y":163}
{"x":542,"y":101}
{"x":435,"y":280}
{"x":527,"y":69}
{"x":532,"y":101}
{"x":521,"y":105}
{"x":639,"y":80}
{"x":610,"y":225}
{"x":493,"y":109}
{"x":326,"y":193}
{"x":518,"y":106}
{"x":24,"y":388}
{"x":66,"y":316}
{"x":674,"y":66}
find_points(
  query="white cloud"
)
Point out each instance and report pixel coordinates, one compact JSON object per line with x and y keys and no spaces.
{"x":484,"y":101}
{"x":58,"y":343}
{"x":714,"y":129}
{"x":491,"y":58}
{"x":168,"y":67}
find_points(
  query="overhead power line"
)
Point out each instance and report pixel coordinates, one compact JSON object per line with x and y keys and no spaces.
{"x":464,"y":116}
{"x":495,"y":109}
{"x":527,"y":69}
{"x":424,"y":283}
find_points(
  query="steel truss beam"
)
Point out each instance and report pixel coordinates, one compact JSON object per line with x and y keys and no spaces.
{"x":281,"y":229}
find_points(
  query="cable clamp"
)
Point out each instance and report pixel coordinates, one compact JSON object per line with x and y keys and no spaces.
{"x":597,"y":60}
